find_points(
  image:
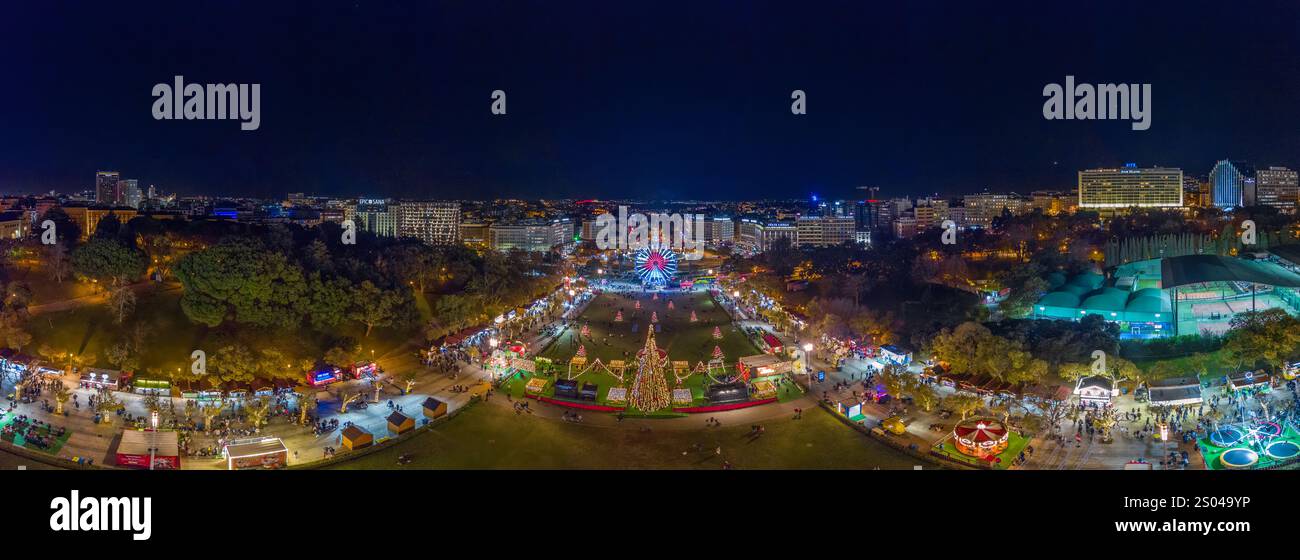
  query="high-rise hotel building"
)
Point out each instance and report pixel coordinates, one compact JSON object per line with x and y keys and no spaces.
{"x":433,"y":222}
{"x":1130,"y":186}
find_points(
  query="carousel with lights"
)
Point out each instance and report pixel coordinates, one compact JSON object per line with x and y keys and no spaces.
{"x":981,"y":437}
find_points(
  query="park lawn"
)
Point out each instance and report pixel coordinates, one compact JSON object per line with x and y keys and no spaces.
{"x":44,"y":290}
{"x":491,"y":436}
{"x":90,"y":331}
{"x":679,"y":337}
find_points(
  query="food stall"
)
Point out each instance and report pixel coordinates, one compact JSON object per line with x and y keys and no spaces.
{"x":95,"y":378}
{"x":149,"y":449}
{"x":324,"y":375}
{"x":160,"y":387}
{"x":258,"y":453}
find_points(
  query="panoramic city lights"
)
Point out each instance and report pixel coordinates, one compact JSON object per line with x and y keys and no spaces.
{"x":860,"y":249}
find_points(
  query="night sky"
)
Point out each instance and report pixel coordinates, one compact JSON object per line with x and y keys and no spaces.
{"x":650,"y":100}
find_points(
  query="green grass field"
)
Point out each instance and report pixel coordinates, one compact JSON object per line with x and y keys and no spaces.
{"x":679,"y":337}
{"x":491,"y":436}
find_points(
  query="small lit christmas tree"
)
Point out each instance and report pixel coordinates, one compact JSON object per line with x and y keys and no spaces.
{"x":717,"y":333}
{"x":582,"y":351}
{"x":618,"y":317}
{"x":586,"y":331}
{"x":638,"y":304}
{"x":717,"y":353}
{"x":654,"y":316}
{"x":670,"y":304}
{"x":655,"y":297}
{"x":694,"y":319}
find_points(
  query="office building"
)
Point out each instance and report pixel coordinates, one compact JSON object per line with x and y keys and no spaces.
{"x":1232,"y":184}
{"x":536,"y":236}
{"x":981,"y":208}
{"x":107,"y":190}
{"x":1277,"y":187}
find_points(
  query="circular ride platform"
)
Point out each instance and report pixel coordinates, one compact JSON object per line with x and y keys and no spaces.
{"x":1239,"y":458}
{"x":1226,"y":436}
{"x":1282,"y":450}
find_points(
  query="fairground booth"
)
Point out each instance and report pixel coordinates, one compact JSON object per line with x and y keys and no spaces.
{"x":894,"y":355}
{"x":771,"y":344}
{"x":851,"y":409}
{"x":95,"y":378}
{"x":1096,"y":389}
{"x":149,"y":449}
{"x":399,"y":423}
{"x":1249,"y":379}
{"x":727,"y":393}
{"x":566,"y":389}
{"x":763,"y":365}
{"x":356,"y":438}
{"x":258,"y":453}
{"x":1176,"y":391}
{"x":14,"y":362}
{"x":365,"y":370}
{"x":434,"y":408}
{"x":159,"y":387}
{"x":324,"y":374}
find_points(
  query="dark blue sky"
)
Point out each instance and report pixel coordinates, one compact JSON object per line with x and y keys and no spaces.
{"x":653,"y":100}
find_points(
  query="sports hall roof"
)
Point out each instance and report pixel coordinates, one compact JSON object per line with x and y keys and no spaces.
{"x":1192,"y":269}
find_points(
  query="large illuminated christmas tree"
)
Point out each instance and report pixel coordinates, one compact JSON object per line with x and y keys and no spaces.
{"x":649,"y":388}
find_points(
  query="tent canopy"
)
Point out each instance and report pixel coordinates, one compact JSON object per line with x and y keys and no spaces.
{"x":1192,"y":269}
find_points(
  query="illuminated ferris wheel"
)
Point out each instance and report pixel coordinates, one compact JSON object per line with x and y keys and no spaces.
{"x":656,"y":266}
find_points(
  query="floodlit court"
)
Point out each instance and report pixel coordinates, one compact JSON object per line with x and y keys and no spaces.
{"x":1190,"y":294}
